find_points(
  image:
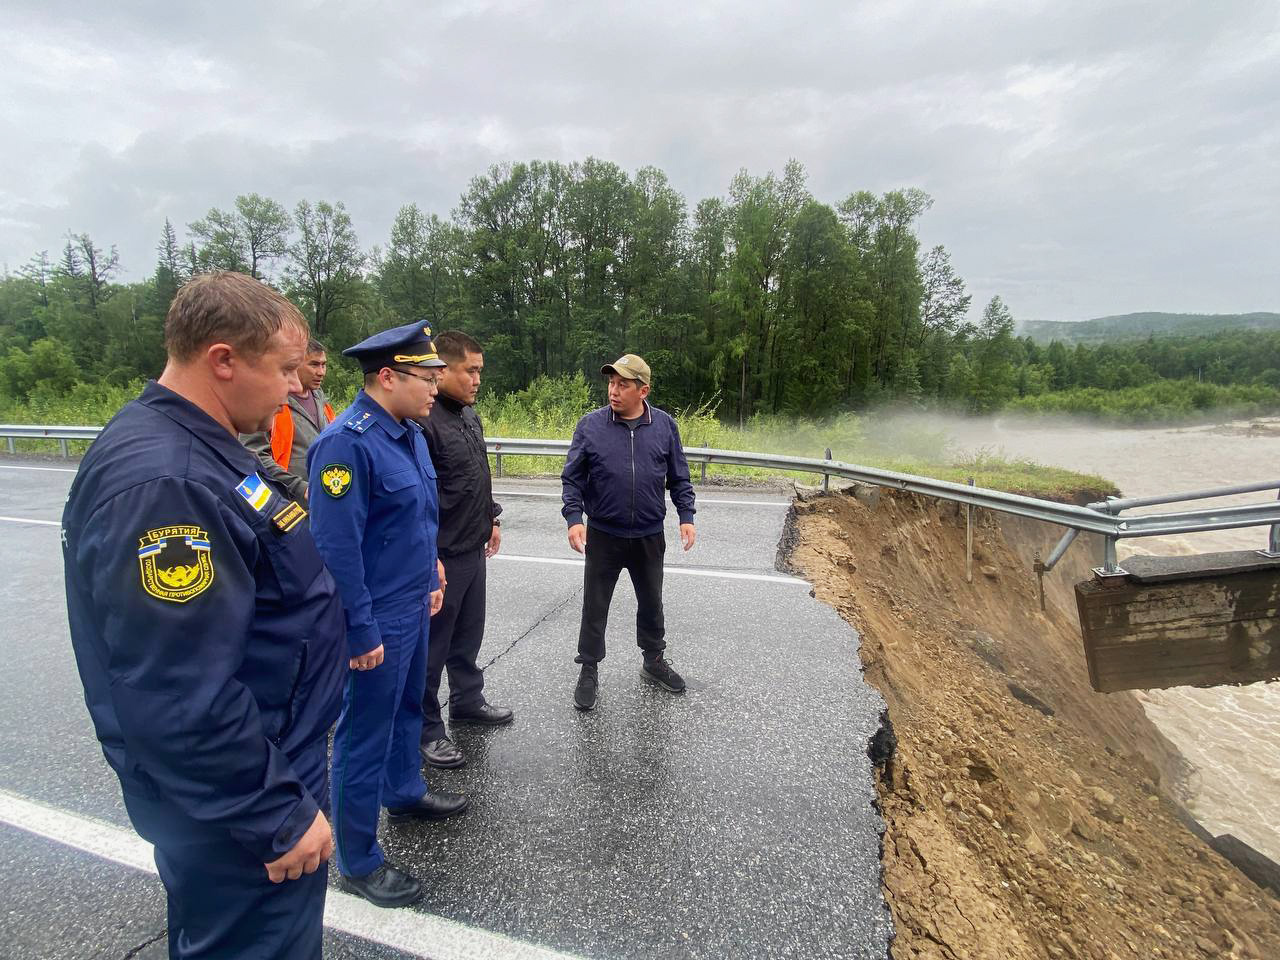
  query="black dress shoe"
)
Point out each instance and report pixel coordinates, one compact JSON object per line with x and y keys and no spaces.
{"x":442,"y":754}
{"x":385,"y":887}
{"x":486,"y":714}
{"x":584,"y":694}
{"x":435,"y":805}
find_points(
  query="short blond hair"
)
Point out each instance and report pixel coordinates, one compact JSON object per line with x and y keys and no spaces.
{"x":225,"y":307}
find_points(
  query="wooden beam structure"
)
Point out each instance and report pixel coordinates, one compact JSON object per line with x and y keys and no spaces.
{"x":1202,"y":621}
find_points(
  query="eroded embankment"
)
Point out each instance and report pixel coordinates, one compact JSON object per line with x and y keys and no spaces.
{"x":1026,"y":815}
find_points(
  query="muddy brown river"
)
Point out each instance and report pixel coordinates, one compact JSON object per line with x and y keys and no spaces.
{"x":1230,"y":734}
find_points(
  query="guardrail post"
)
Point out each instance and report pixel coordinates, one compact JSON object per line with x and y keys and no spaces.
{"x":9,"y":442}
{"x":826,"y":477}
{"x":1109,"y":563}
{"x":1110,"y":566}
{"x":1273,"y":539}
{"x":62,"y":445}
{"x":704,"y":472}
{"x":968,"y":540}
{"x":497,"y":464}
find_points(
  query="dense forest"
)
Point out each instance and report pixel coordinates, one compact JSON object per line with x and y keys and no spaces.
{"x":763,"y":301}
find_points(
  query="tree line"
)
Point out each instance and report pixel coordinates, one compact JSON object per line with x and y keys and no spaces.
{"x":763,"y":301}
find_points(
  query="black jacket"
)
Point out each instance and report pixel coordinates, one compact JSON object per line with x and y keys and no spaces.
{"x":455,"y":438}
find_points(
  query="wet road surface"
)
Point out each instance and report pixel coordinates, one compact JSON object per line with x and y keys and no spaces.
{"x":733,"y":820}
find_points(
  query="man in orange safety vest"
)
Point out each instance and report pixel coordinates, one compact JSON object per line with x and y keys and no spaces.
{"x":283,"y":449}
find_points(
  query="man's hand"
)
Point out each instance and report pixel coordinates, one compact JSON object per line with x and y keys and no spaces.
{"x":495,"y":541}
{"x":687,"y":535}
{"x":367,"y":661}
{"x":313,"y":849}
{"x":578,"y":537}
{"x":440,"y":571}
{"x":437,"y":601}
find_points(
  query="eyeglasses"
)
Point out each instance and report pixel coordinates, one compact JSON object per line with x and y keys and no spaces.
{"x":432,"y":381}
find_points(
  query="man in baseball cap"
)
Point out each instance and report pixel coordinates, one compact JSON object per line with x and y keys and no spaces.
{"x":623,"y":456}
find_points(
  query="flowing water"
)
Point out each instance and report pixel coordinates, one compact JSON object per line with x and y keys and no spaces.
{"x":1231,"y":735}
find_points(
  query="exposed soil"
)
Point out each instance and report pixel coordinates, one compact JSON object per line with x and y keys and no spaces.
{"x":1026,"y":815}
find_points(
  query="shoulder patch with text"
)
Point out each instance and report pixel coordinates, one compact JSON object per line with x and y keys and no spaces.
{"x":176,"y":563}
{"x":336,"y":479}
{"x":289,"y":517}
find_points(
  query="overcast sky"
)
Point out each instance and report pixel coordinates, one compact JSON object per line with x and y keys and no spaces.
{"x":1085,"y":158}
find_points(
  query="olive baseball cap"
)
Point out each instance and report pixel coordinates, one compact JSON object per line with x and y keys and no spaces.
{"x":629,"y":367}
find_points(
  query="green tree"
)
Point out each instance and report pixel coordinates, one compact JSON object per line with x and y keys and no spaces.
{"x":324,"y":262}
{"x":169,"y":274}
{"x":420,"y":274}
{"x":245,"y":238}
{"x":995,"y":374}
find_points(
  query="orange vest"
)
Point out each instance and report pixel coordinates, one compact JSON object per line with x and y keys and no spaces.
{"x":282,"y":434}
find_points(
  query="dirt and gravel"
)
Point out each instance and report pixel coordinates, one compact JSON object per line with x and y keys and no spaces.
{"x":1026,"y":815}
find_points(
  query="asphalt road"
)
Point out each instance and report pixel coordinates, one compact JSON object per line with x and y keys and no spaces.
{"x":734,"y":820}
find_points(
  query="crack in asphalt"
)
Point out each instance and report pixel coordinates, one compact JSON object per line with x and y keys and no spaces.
{"x":146,"y":943}
{"x":552,"y":611}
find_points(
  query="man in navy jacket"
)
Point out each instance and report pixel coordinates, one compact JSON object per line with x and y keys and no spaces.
{"x":622,"y":458}
{"x":208,"y":633}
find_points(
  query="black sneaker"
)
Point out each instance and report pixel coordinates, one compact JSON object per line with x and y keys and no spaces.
{"x":659,"y":671}
{"x":584,"y":694}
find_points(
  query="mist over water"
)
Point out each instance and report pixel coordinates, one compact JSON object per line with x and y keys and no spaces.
{"x":1231,"y":735}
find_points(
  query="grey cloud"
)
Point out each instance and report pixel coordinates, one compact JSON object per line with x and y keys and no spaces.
{"x":1085,"y":158}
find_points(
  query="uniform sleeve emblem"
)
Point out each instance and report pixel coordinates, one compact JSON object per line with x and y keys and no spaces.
{"x":255,"y":491}
{"x":336,"y":479}
{"x":176,"y":562}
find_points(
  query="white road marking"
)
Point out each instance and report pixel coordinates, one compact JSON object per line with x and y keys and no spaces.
{"x":409,"y":931}
{"x":678,"y":570}
{"x":43,"y":523}
{"x":9,"y":466}
{"x":738,"y":503}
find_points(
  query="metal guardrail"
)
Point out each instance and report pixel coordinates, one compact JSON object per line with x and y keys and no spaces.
{"x":1101,"y":518}
{"x":26,"y":431}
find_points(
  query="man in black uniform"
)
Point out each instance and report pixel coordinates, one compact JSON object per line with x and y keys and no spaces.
{"x":208,"y":633}
{"x":470,"y":533}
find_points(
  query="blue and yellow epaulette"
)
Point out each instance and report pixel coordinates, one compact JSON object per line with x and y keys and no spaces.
{"x":360,"y":423}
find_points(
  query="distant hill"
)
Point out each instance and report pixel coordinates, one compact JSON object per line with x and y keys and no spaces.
{"x":1139,"y":326}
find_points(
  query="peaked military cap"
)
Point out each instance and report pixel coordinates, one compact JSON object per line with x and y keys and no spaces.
{"x":404,"y":346}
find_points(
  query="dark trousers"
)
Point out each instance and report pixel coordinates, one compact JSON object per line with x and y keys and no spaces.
{"x":375,"y":747}
{"x":220,"y":902}
{"x":456,"y":633}
{"x":607,"y":556}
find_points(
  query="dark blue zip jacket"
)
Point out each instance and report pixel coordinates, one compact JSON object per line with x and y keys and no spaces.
{"x":207,"y":631}
{"x":617,"y":475}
